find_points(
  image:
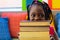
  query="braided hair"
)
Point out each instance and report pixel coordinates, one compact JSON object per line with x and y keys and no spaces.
{"x":45,"y":7}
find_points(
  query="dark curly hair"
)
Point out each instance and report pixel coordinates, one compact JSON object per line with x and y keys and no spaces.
{"x":45,"y":7}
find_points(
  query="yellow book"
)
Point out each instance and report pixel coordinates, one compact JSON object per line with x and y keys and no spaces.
{"x":34,"y":24}
{"x":34,"y":29}
{"x":34,"y":36}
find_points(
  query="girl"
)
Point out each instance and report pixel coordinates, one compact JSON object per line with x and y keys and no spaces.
{"x":38,"y":11}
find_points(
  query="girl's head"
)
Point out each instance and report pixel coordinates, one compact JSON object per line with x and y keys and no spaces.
{"x":38,"y":11}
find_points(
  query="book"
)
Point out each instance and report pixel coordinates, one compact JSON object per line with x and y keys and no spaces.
{"x":34,"y":29}
{"x":34,"y":24}
{"x":34,"y":36}
{"x":29,"y":26}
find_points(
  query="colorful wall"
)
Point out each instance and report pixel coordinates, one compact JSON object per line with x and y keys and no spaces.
{"x":54,"y":4}
{"x":20,"y":5}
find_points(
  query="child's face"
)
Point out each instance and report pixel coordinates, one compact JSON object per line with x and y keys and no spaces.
{"x":36,"y":13}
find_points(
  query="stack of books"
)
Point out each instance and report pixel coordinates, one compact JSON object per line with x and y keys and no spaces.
{"x":34,"y":30}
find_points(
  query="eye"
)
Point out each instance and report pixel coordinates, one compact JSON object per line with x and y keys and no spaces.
{"x":41,"y":15}
{"x":33,"y":15}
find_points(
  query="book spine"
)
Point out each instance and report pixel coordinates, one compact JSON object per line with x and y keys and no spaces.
{"x":34,"y":36}
{"x":34,"y":29}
